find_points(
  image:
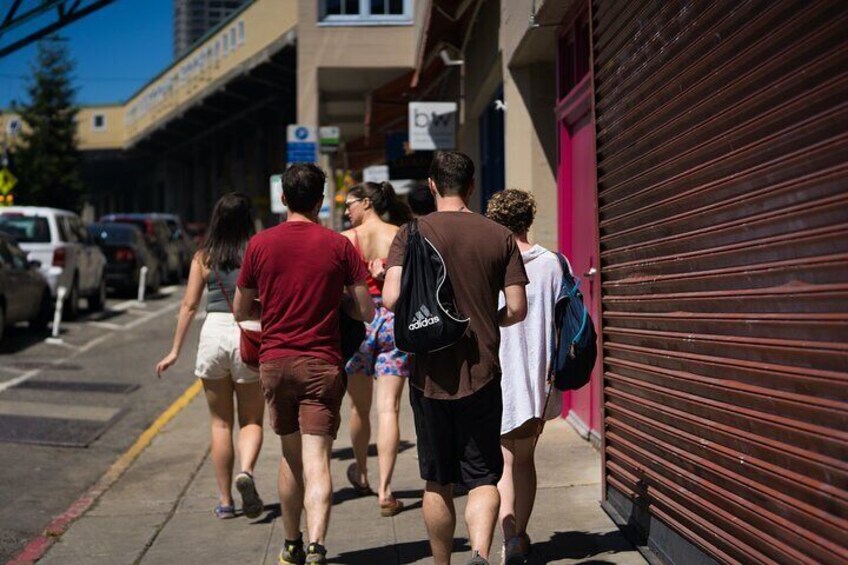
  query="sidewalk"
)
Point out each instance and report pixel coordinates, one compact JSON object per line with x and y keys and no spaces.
{"x":160,"y":510}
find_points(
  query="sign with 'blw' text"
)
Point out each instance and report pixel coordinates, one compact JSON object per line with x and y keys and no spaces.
{"x":432,"y":125}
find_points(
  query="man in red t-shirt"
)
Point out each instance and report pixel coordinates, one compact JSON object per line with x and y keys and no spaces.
{"x":299,"y":271}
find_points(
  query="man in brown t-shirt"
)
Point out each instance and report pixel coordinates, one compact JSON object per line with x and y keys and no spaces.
{"x":456,"y":392}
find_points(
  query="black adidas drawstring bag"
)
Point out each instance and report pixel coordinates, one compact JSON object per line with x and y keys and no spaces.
{"x":426,"y":317}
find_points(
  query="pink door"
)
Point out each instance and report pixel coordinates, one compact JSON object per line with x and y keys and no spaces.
{"x":578,"y":232}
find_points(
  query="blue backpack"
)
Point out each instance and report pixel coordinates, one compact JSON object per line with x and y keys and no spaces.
{"x":576,"y":345}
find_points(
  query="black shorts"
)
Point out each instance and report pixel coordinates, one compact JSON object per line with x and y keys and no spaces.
{"x":459,"y":441}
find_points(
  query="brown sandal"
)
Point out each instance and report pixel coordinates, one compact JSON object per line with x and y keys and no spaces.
{"x":389,"y":509}
{"x":361,"y":490}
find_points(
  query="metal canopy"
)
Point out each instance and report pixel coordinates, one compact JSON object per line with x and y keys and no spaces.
{"x":52,"y":15}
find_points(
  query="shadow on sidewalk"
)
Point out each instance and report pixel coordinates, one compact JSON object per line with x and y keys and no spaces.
{"x":408,"y":552}
{"x":272,"y":512}
{"x":346,"y":453}
{"x":578,"y":545}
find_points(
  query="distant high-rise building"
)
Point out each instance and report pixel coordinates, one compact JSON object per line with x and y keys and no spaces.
{"x":193,"y":18}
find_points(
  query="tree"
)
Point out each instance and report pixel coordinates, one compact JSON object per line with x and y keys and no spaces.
{"x":48,"y":163}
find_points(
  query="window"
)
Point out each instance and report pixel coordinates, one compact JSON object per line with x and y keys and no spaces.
{"x":233,"y":38}
{"x":27,"y":229}
{"x":241,"y":33}
{"x":5,"y":254}
{"x":573,"y":56}
{"x":19,"y":258}
{"x":98,"y":122}
{"x":13,"y":127}
{"x":347,"y":12}
{"x":226,"y":44}
{"x":78,"y":228}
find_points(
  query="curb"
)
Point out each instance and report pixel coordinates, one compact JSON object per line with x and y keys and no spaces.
{"x":36,"y":548}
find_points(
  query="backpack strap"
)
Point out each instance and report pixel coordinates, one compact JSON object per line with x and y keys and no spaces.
{"x":563,"y":262}
{"x":566,"y":270}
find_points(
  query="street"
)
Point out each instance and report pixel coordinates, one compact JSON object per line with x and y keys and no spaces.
{"x":67,"y":411}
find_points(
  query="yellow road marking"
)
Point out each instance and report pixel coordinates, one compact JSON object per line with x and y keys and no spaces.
{"x":147,"y":436}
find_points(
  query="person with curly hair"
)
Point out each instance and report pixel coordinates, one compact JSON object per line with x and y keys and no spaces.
{"x":526,"y":351}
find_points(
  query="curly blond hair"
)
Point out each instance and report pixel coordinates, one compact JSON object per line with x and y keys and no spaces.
{"x":512,"y":208}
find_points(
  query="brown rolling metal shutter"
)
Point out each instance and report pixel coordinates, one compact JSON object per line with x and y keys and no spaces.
{"x":722,"y":147}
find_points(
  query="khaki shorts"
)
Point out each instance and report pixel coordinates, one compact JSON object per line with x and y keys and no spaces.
{"x":218,"y":353}
{"x":303,"y":394}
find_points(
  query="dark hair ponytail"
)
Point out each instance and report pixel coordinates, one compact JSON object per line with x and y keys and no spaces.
{"x":229,"y":230}
{"x":384,"y":200}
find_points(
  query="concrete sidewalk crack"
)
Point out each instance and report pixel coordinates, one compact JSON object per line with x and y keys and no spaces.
{"x":173,"y":509}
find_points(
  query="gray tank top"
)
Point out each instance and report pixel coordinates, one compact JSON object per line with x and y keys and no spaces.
{"x":215,"y":301}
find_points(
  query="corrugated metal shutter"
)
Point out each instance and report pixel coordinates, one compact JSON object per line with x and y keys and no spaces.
{"x":722,"y":151}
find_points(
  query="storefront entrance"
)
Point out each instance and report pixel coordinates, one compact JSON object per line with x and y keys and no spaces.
{"x":578,"y":227}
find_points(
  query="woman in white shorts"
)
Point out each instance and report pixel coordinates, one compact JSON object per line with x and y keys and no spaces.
{"x":219,"y":365}
{"x":526,"y":351}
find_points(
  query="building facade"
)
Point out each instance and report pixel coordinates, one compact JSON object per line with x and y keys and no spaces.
{"x":195,"y":18}
{"x":691,"y":160}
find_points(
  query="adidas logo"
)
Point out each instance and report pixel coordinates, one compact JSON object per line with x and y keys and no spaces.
{"x":423,"y":318}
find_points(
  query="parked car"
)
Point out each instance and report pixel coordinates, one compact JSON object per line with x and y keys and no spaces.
{"x":180,"y":235}
{"x":58,"y":240}
{"x":158,"y":236}
{"x":24,"y":294}
{"x":126,"y":253}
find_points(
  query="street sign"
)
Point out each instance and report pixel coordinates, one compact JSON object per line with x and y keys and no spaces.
{"x":301,"y":144}
{"x":432,"y":125}
{"x":7,"y":181}
{"x":329,"y":138}
{"x":375,"y":173}
{"x":277,"y":206}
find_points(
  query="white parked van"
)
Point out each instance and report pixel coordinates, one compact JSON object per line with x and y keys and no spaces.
{"x":59,"y":241}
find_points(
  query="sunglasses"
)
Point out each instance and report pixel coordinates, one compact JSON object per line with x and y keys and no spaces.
{"x":349,"y":203}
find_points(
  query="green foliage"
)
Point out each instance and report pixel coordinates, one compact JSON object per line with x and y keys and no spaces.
{"x":48,"y":163}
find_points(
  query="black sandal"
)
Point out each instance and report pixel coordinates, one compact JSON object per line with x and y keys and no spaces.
{"x":361,"y":490}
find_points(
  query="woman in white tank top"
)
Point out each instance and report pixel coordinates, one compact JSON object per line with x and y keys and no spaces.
{"x":226,"y":378}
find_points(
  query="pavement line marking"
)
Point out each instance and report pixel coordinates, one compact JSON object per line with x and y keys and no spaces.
{"x":168,"y":290}
{"x":78,"y":350}
{"x":123,"y":306}
{"x":18,"y":380}
{"x":94,"y":342}
{"x":151,"y":315}
{"x":36,"y":548}
{"x":63,"y":411}
{"x":64,"y":344}
{"x":105,"y":325}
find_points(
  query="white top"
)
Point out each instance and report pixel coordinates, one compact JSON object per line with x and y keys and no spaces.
{"x":527,"y":347}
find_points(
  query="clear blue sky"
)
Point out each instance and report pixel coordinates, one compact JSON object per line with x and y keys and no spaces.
{"x":117,"y":50}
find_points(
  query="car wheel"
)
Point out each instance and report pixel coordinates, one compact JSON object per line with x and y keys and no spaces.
{"x":97,"y":301}
{"x":71,"y":307}
{"x":42,"y":319}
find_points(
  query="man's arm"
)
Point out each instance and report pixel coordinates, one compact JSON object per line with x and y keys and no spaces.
{"x":358,"y":304}
{"x":515,"y":309}
{"x":243,"y":303}
{"x":391,"y":287}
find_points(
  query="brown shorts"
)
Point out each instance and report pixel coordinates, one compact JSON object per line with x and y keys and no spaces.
{"x":303,"y":393}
